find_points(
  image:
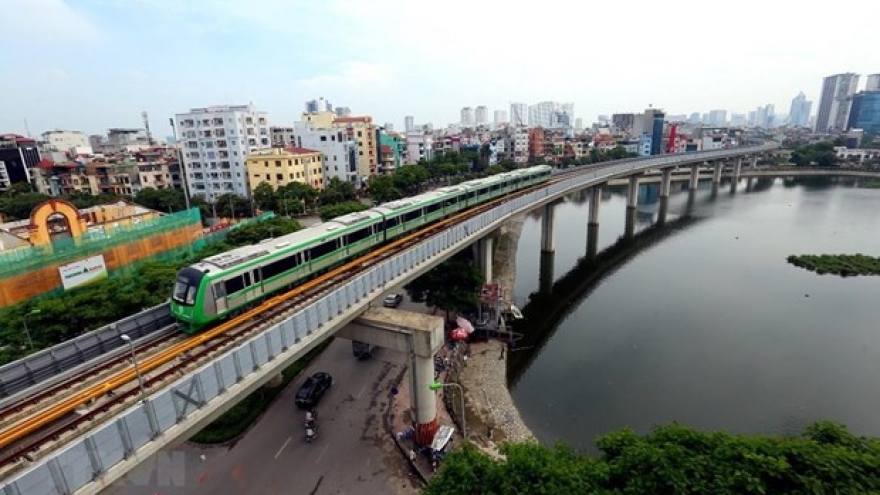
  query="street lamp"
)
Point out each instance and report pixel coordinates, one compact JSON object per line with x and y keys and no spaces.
{"x":26,"y":331}
{"x":437,"y":386}
{"x":137,"y":369}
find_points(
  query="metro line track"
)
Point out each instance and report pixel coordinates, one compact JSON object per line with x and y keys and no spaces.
{"x":27,"y":437}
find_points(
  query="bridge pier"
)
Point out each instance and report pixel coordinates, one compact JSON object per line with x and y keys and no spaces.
{"x":749,"y":184}
{"x":716,"y":174}
{"x":629,"y":229}
{"x":592,"y":240}
{"x":737,"y":169}
{"x":275,"y":381}
{"x":485,"y":257}
{"x":420,"y":336}
{"x":665,"y":183}
{"x":695,"y":177}
{"x":753,"y":163}
{"x":548,"y":229}
{"x":545,"y":272}
{"x":632,"y":198}
{"x":689,"y":208}
{"x":662,"y":210}
{"x":595,"y":200}
{"x":714,"y":193}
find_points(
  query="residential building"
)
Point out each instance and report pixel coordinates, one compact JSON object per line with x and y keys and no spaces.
{"x":536,"y":143}
{"x":468,"y":119}
{"x":389,"y":126}
{"x":215,"y":142}
{"x":419,"y":146}
{"x":694,"y":118}
{"x":799,"y":113}
{"x":319,"y":105}
{"x":340,"y":151}
{"x":623,"y":121}
{"x":126,"y":141}
{"x":18,"y":155}
{"x":518,"y":145}
{"x":717,"y":117}
{"x":650,"y":123}
{"x":738,"y":120}
{"x":764,"y":116}
{"x":835,"y":102}
{"x":519,"y":114}
{"x":158,"y":168}
{"x":72,"y":143}
{"x":500,"y":117}
{"x":578,"y":124}
{"x":282,"y":136}
{"x":281,"y":166}
{"x":865,"y":113}
{"x":363,"y":132}
{"x":873,"y":82}
{"x":481,"y":116}
{"x":551,"y":114}
{"x":409,"y":123}
{"x":392,"y":150}
{"x":342,"y":112}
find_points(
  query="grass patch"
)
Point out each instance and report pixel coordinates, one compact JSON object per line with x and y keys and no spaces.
{"x":845,"y":265}
{"x":237,"y":420}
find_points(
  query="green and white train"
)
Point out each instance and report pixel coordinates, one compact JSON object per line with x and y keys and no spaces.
{"x":217,"y":286}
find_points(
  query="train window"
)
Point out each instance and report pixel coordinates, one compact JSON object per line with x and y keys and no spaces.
{"x":496,"y":187}
{"x":412,"y":215}
{"x":219,"y":290}
{"x":472,"y":194}
{"x":483,"y":191}
{"x":247,"y":279}
{"x":234,"y":284}
{"x":322,"y":249}
{"x":283,"y":265}
{"x":257,"y":276}
{"x":392,"y":222}
{"x":360,"y":235}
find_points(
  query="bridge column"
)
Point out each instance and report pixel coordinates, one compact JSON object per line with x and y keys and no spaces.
{"x":632,"y":198}
{"x":629,"y":229}
{"x":662,"y":210}
{"x":737,"y":168}
{"x":666,"y":183}
{"x":595,"y":200}
{"x":695,"y":177}
{"x":275,"y":381}
{"x":548,"y":229}
{"x":689,"y":208}
{"x":485,"y":257}
{"x":716,"y":174}
{"x":749,"y":184}
{"x":545,"y":272}
{"x":754,"y":162}
{"x":592,"y":240}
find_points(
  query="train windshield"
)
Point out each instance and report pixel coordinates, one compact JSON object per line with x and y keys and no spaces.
{"x":186,"y":286}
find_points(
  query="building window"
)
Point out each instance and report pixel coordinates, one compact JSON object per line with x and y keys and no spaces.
{"x":323,"y":138}
{"x":277,"y":163}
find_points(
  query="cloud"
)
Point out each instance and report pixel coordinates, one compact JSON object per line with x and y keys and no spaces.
{"x":352,"y":74}
{"x":45,"y":21}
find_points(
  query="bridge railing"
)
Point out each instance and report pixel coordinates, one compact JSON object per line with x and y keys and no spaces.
{"x":178,"y":407}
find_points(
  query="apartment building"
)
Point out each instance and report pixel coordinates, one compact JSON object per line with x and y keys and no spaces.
{"x":281,"y":166}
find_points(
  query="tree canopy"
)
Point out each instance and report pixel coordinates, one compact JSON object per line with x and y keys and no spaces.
{"x":674,"y":460}
{"x":337,"y":210}
{"x":821,"y":154}
{"x":453,"y":286}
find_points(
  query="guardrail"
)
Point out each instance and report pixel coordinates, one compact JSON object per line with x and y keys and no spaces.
{"x":45,"y":367}
{"x":198,"y":397}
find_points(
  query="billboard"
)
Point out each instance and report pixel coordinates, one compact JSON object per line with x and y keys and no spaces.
{"x":83,"y":272}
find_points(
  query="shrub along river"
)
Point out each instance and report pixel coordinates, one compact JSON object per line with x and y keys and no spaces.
{"x":702,"y":321}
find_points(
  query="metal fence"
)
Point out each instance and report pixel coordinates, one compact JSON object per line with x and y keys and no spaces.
{"x":88,"y":458}
{"x":20,"y":378}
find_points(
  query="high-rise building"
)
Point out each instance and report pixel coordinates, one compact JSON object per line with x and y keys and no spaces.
{"x":834,"y":105}
{"x":873,"y":82}
{"x":519,"y":114}
{"x":281,"y":137}
{"x":343,"y":111}
{"x":799,"y":113}
{"x":481,"y":116}
{"x":467,"y":117}
{"x":319,"y":105}
{"x":551,"y":114}
{"x":339,"y":149}
{"x":215,"y":142}
{"x":623,"y":121}
{"x":500,"y":117}
{"x":18,"y":155}
{"x":649,"y":125}
{"x":409,"y":123}
{"x":738,"y":120}
{"x":764,"y":116}
{"x":694,"y":118}
{"x":70,"y":142}
{"x":865,"y":112}
{"x":717,"y":117}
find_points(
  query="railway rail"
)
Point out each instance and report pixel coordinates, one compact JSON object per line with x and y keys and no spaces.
{"x":29,"y":436}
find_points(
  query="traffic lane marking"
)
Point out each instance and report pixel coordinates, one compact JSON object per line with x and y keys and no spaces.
{"x":323,"y":451}
{"x":282,"y":447}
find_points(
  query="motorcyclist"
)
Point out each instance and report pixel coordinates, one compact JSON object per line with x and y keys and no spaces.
{"x":311,"y":416}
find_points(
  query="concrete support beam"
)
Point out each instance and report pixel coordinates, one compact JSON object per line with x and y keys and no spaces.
{"x":695,"y":177}
{"x":275,"y":381}
{"x":629,"y":229}
{"x":689,"y":207}
{"x":666,"y":183}
{"x":548,"y":229}
{"x":545,"y":272}
{"x":662,"y":210}
{"x":632,"y":198}
{"x":420,"y":336}
{"x":716,"y":174}
{"x":737,"y":169}
{"x":595,"y":200}
{"x":753,"y":163}
{"x":486,"y":257}
{"x":592,"y":240}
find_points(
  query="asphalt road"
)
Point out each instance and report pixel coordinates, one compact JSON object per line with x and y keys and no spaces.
{"x":352,"y":454}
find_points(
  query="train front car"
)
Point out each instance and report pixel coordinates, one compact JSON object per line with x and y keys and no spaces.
{"x":186,"y":299}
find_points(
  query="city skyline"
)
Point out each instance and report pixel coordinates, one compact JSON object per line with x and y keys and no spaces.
{"x":86,"y":66}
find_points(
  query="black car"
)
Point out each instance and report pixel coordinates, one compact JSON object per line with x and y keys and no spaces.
{"x":313,"y":389}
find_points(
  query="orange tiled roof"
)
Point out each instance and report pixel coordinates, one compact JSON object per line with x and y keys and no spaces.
{"x":299,"y":151}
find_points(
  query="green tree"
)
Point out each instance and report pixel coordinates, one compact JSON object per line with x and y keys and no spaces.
{"x":18,"y":205}
{"x":338,"y":209}
{"x":381,"y":188}
{"x":338,"y":191}
{"x":253,"y":233}
{"x":452,"y":286}
{"x":294,"y":198}
{"x":264,"y":197}
{"x":231,"y":205}
{"x":164,"y":200}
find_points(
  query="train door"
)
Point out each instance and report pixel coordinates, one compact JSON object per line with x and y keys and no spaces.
{"x":219,"y":297}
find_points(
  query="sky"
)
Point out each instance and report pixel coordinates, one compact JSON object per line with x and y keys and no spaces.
{"x":91,"y":65}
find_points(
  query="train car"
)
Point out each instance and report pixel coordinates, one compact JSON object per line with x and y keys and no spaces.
{"x":221,"y":285}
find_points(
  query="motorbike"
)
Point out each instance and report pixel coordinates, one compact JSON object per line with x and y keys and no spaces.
{"x":311,"y":433}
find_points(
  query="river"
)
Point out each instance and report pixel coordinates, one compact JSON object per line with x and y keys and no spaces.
{"x":703,"y":322}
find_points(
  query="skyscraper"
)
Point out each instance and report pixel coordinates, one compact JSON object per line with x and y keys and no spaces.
{"x":519,"y":114}
{"x":865,"y":113}
{"x":500,"y":116}
{"x":873,"y":82}
{"x":834,"y":105}
{"x":409,"y":123}
{"x":717,"y":117}
{"x":799,"y":114}
{"x":467,"y":117}
{"x":319,"y":105}
{"x":482,"y":115}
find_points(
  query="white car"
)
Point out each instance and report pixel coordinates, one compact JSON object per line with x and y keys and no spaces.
{"x":392,"y":300}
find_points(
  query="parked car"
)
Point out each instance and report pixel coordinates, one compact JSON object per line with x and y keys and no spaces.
{"x":392,"y":300}
{"x":361,"y":350}
{"x":313,"y":389}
